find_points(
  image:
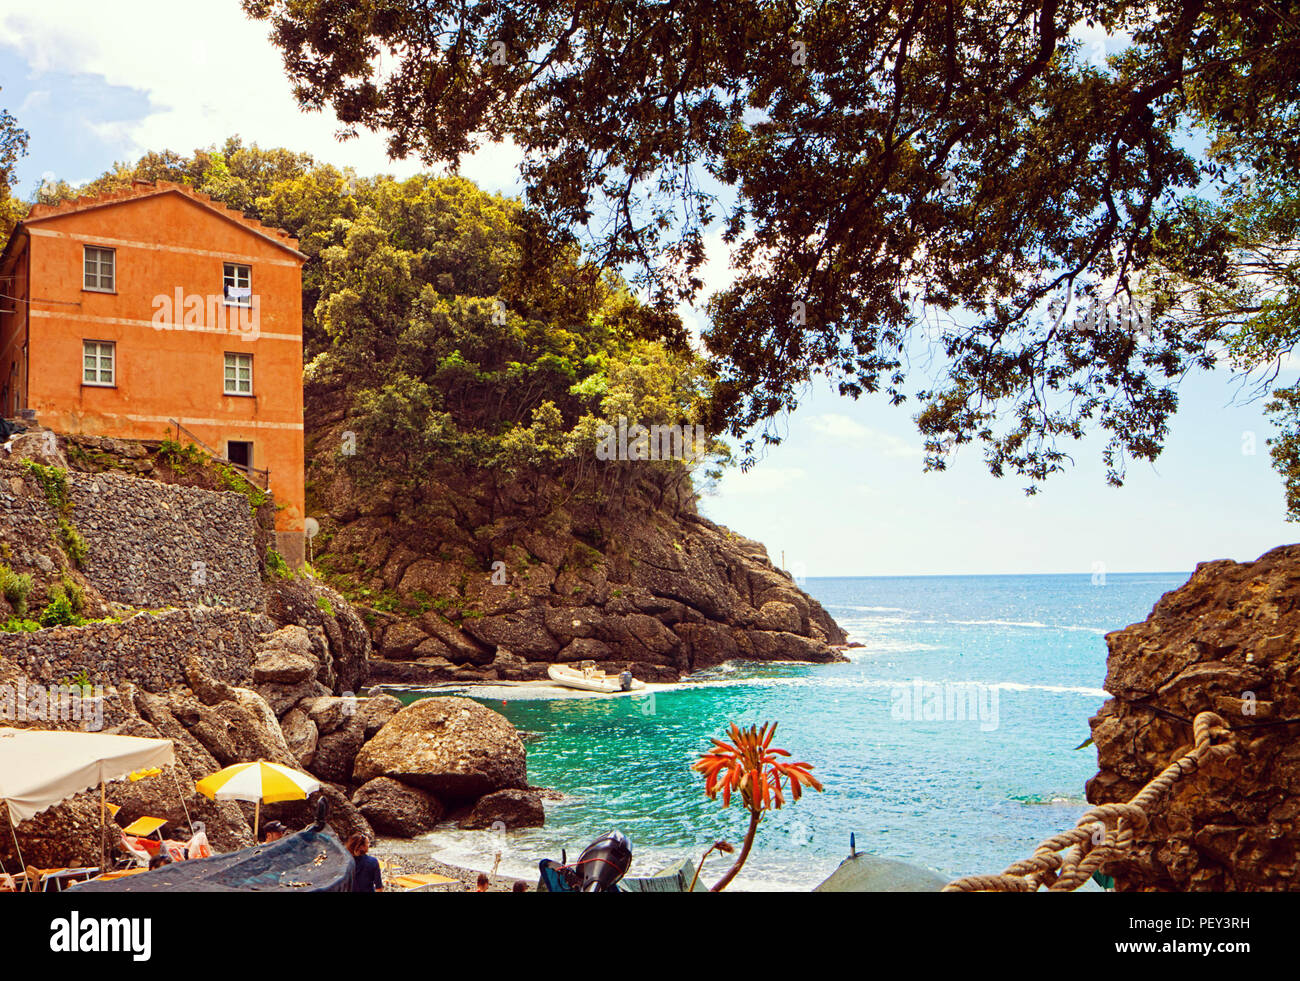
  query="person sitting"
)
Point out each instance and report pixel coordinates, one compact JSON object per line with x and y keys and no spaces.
{"x":273,"y":831}
{"x":483,"y":883}
{"x":519,"y":886}
{"x":366,"y":875}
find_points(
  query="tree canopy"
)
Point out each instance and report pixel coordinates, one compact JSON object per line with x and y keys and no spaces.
{"x":875,"y":168}
{"x":421,"y":305}
{"x":13,"y":144}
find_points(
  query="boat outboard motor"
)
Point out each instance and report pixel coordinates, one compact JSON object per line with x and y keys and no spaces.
{"x":322,"y":814}
{"x":625,"y":681}
{"x":604,"y":862}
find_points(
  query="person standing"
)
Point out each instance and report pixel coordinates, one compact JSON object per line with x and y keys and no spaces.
{"x":366,"y":876}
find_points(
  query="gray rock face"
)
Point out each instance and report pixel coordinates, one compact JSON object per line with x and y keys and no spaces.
{"x":301,"y":735}
{"x":396,"y":809}
{"x":337,"y":751}
{"x":347,"y":643}
{"x":452,"y":747}
{"x":283,"y":667}
{"x":507,"y":809}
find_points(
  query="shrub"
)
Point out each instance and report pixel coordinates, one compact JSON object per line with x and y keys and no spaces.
{"x":17,"y":625}
{"x":324,"y":605}
{"x":59,"y":612}
{"x":54,"y":481}
{"x":73,"y":544}
{"x":15,"y":588}
{"x":276,"y":566}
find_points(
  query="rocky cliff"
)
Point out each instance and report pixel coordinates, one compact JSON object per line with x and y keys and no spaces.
{"x":1227,"y":641}
{"x":475,"y":575}
{"x":172,"y":623}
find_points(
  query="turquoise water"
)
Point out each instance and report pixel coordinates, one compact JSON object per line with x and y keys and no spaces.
{"x":905,"y":768}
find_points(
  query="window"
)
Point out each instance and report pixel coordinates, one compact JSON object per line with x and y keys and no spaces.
{"x":97,"y":363}
{"x":239,"y":374}
{"x":99,"y":269}
{"x":238,"y":288}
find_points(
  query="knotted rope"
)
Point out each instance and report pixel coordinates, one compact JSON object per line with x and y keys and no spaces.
{"x":1068,"y":860}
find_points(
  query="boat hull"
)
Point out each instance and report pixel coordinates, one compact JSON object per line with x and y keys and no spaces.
{"x":309,"y":861}
{"x":604,"y":684}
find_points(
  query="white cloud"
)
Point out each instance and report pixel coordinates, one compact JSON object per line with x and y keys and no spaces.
{"x":717,"y":274}
{"x":836,"y":428}
{"x":760,"y":480}
{"x":208,"y":72}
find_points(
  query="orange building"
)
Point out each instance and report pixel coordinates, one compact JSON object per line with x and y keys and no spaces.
{"x":123,"y":313}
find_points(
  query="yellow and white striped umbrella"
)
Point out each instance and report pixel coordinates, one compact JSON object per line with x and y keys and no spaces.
{"x":258,"y":781}
{"x":261,"y":782}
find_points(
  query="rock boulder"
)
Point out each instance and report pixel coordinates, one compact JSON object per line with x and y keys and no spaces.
{"x":452,"y":747}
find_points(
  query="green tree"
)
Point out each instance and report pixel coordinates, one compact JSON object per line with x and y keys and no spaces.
{"x":13,"y":145}
{"x":875,"y":166}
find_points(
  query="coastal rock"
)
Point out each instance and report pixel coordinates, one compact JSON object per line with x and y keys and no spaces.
{"x":396,"y":809}
{"x":523,"y":633}
{"x":309,"y":603}
{"x":1228,"y":641}
{"x":343,"y":817}
{"x":452,"y":747}
{"x":507,"y":809}
{"x":283,"y":667}
{"x":401,"y":639}
{"x":779,"y":615}
{"x":337,"y":751}
{"x":300,"y":734}
{"x":327,"y":711}
{"x":375,"y":712}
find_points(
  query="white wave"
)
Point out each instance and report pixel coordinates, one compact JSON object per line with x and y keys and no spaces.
{"x":844,"y":683}
{"x":874,"y":609}
{"x":1028,"y":624}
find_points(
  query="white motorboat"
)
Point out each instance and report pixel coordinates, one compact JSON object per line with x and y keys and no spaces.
{"x":591,"y":678}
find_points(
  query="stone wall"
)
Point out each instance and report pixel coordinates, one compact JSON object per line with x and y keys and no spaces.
{"x":147,"y":649}
{"x":152,"y":544}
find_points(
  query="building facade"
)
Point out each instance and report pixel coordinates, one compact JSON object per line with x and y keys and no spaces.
{"x":128,"y":313}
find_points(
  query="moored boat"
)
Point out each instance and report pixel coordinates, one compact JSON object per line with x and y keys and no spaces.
{"x":312,"y":860}
{"x":588,"y":677}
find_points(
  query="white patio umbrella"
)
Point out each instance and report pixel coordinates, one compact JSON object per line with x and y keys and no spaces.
{"x":40,"y":768}
{"x":260,"y":782}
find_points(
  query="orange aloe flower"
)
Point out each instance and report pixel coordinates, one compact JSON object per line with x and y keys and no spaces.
{"x":752,"y":767}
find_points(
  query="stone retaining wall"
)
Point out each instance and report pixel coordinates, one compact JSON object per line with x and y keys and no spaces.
{"x":152,"y":544}
{"x":148,"y":649}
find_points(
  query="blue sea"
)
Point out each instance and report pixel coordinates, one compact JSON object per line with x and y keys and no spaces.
{"x":949,"y":739}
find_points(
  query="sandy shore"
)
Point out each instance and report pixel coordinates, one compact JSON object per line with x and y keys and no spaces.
{"x":528,"y":690}
{"x":399,"y":860}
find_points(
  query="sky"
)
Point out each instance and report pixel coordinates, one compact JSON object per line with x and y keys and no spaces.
{"x":844,"y":494}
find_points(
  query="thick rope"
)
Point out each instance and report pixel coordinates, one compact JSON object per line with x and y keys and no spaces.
{"x":1068,"y":860}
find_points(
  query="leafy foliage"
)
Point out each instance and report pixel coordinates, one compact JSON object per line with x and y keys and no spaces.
{"x":876,"y":168}
{"x":13,"y":144}
{"x":15,"y":588}
{"x":459,"y":340}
